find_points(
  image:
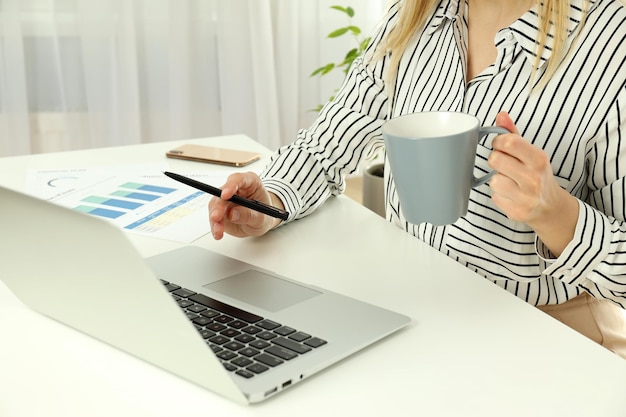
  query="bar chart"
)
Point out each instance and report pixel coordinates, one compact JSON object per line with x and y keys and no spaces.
{"x":149,"y":204}
{"x":130,"y":196}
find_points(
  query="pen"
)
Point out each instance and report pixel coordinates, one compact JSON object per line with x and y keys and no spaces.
{"x":251,"y":204}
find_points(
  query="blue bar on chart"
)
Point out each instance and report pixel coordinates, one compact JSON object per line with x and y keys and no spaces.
{"x":106,"y":206}
{"x":149,"y":188}
{"x":113,"y":202}
{"x":98,"y":211}
{"x":135,"y":195}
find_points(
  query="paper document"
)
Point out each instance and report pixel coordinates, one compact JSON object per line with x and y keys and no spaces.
{"x":138,"y":199}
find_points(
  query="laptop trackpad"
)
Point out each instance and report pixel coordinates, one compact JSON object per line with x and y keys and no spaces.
{"x":262,"y":290}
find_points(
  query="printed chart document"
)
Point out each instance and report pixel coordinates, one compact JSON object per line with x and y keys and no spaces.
{"x":138,"y":199}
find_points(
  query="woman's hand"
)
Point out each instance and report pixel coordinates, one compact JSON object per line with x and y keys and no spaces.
{"x":227,"y":217}
{"x":525,"y":189}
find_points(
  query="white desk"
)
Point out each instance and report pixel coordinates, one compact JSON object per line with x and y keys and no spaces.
{"x":473,"y":349}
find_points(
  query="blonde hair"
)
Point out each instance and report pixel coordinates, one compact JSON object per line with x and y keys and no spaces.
{"x":414,"y":13}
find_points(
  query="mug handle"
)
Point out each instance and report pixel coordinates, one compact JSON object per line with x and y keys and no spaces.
{"x":483,"y":131}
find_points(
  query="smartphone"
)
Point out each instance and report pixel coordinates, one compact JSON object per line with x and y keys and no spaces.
{"x":213,"y":155}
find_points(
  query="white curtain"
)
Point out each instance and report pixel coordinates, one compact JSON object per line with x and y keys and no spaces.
{"x":77,"y":74}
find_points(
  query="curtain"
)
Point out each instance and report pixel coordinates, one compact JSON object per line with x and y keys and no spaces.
{"x":78,"y":74}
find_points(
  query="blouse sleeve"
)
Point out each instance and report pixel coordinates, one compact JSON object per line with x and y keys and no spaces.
{"x":347,"y":130}
{"x":595,"y":260}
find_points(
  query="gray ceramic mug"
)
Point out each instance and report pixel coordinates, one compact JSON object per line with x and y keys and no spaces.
{"x":432,"y":156}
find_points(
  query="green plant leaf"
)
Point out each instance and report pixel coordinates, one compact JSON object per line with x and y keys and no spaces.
{"x":353,"y":53}
{"x":365,"y":43}
{"x":323,"y":70}
{"x":317,"y":71}
{"x":328,"y":68}
{"x":347,"y":10}
{"x":340,"y":8}
{"x":338,"y":32}
{"x":355,"y":30}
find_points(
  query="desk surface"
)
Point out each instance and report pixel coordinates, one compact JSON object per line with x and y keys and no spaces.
{"x":472,"y":350}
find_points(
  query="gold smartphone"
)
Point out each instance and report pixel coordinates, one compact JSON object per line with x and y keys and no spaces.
{"x":213,"y":155}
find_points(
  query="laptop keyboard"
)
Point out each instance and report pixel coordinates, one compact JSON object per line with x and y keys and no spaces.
{"x":247,"y":344}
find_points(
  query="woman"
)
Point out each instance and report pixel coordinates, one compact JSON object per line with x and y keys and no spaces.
{"x":549,"y":227}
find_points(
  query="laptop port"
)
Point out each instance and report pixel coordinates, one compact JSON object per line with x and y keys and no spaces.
{"x":286,"y":384}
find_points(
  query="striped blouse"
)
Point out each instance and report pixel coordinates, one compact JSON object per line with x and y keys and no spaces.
{"x":578,"y":119}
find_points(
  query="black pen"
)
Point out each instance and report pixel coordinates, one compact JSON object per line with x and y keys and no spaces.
{"x":251,"y":204}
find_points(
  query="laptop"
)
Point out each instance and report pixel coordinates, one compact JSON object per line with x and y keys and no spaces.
{"x":235,"y":329}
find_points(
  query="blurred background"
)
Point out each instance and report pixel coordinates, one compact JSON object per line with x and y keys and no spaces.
{"x":78,"y":74}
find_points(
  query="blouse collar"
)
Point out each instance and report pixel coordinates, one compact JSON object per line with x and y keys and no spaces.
{"x":525,"y":29}
{"x":446,"y":10}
